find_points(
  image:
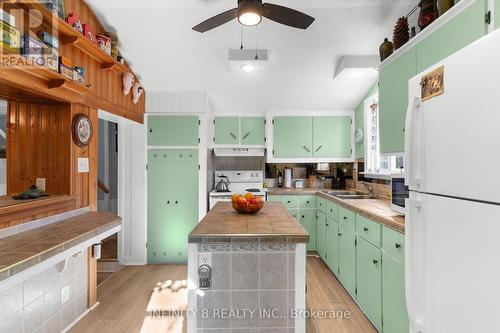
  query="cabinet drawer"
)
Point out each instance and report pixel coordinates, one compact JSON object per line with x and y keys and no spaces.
{"x":290,"y":201}
{"x":393,"y":244}
{"x":274,"y":198}
{"x":332,"y":210}
{"x":307,"y":201}
{"x":369,"y":230}
{"x":321,"y":204}
{"x":347,"y":218}
{"x":295,"y":213}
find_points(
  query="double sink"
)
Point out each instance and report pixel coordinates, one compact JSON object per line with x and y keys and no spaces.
{"x":350,"y":195}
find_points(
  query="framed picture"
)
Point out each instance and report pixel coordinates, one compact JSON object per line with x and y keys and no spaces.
{"x":82,"y":130}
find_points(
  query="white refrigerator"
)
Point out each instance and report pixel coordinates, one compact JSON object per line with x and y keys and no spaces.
{"x":452,"y":145}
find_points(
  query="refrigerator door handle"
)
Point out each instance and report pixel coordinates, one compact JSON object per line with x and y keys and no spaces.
{"x":414,"y":268}
{"x":413,"y":144}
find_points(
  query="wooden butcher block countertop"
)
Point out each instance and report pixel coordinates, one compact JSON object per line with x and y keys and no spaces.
{"x":273,"y":223}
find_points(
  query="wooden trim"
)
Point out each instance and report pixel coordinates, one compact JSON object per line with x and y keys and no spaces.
{"x":91,"y":279}
{"x":30,"y":210}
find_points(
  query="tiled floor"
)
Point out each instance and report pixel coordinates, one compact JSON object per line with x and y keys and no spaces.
{"x":125,"y":295}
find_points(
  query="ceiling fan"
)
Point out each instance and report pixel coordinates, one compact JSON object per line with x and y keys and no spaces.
{"x":250,"y":12}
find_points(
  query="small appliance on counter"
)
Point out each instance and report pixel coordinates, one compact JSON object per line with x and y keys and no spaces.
{"x":299,"y":183}
{"x":237,"y":182}
{"x":287,"y":178}
{"x":400,"y":193}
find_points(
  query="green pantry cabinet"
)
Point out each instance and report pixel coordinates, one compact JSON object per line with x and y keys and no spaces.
{"x":461,"y":30}
{"x":366,"y":257}
{"x":308,"y":137}
{"x":172,"y":187}
{"x":246,"y":131}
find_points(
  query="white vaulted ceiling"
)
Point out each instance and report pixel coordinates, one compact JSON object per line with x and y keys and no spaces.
{"x":157,"y":40}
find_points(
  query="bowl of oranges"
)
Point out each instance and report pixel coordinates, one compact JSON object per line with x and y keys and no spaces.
{"x":247,"y":204}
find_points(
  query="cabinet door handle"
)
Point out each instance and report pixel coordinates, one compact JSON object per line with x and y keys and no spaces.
{"x":168,"y":202}
{"x":340,"y":234}
{"x":234,"y":136}
{"x":318,"y":148}
{"x":345,"y":217}
{"x":375,"y":261}
{"x":176,"y":202}
{"x":327,"y":224}
{"x":303,"y":216}
{"x":306,"y":149}
{"x":246,"y":135}
{"x":288,"y":201}
{"x":398,"y":246}
{"x":365,"y":229}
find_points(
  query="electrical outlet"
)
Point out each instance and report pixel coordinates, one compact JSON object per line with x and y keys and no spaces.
{"x":83,"y":165}
{"x":64,"y":294}
{"x":205,"y":258}
{"x":40,"y":183}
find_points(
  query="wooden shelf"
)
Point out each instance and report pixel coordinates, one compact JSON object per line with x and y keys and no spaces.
{"x":114,"y":66}
{"x":68,"y":35}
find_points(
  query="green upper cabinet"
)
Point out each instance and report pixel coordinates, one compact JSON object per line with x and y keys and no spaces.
{"x":460,"y":31}
{"x":227,"y":130}
{"x":393,"y":100}
{"x":253,"y":131}
{"x":332,"y":136}
{"x":172,"y":131}
{"x":369,"y":281}
{"x":292,"y":137}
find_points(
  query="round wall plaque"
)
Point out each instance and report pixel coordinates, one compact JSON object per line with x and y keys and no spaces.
{"x":82,"y":130}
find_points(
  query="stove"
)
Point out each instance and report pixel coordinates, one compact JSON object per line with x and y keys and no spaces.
{"x":240,"y":182}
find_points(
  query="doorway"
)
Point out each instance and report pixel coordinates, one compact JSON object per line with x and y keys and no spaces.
{"x":107,"y":194}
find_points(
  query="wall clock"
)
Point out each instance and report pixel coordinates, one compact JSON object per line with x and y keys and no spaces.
{"x":82,"y":130}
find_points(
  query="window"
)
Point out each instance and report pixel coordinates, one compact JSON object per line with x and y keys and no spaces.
{"x":377,"y":165}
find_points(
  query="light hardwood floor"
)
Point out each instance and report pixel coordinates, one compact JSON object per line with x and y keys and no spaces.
{"x":124,"y":297}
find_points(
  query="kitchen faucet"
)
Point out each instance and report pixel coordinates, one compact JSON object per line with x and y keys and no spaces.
{"x":369,"y":188}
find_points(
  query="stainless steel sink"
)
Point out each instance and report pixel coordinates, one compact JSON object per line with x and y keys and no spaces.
{"x":350,"y":195}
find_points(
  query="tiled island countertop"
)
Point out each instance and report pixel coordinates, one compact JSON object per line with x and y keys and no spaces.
{"x":26,"y":249}
{"x":378,"y":210}
{"x":273,"y":223}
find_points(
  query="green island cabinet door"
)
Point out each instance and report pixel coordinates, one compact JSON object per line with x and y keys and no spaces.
{"x":172,"y":203}
{"x":459,"y":32}
{"x":332,"y":136}
{"x":393,"y":100}
{"x":347,"y":259}
{"x":307,"y":218}
{"x":321,"y":234}
{"x":369,"y":281}
{"x":174,"y":131}
{"x":393,"y":296}
{"x":332,"y":245}
{"x":253,"y":131}
{"x":227,"y":130}
{"x":292,"y":137}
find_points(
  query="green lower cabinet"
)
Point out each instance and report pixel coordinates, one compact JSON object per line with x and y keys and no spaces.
{"x":393,"y":296}
{"x":332,"y":245}
{"x":369,"y":281}
{"x":457,"y":33}
{"x":290,"y":201}
{"x":172,"y":204}
{"x":295,"y":213}
{"x":227,"y":130}
{"x":321,"y":234}
{"x":253,"y":131}
{"x":292,"y":137}
{"x":307,"y":218}
{"x":276,"y":198}
{"x":173,"y":131}
{"x":347,"y":259}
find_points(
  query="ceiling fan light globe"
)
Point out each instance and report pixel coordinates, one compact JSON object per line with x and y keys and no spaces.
{"x":249,"y":18}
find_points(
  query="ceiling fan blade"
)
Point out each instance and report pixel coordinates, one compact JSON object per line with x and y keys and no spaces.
{"x":217,"y":20}
{"x":287,"y":16}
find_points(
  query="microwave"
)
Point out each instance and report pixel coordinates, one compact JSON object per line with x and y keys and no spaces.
{"x":400,"y":193}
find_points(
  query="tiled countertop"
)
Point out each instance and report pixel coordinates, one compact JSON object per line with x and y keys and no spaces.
{"x":378,"y":210}
{"x":26,"y":249}
{"x":273,"y":223}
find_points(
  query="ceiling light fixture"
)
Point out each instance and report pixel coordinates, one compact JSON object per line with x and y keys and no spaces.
{"x":248,"y":68}
{"x":250,"y":12}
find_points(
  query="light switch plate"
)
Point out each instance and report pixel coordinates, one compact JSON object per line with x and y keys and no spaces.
{"x":205,"y":258}
{"x":64,"y":294}
{"x":83,"y":165}
{"x":40,"y":183}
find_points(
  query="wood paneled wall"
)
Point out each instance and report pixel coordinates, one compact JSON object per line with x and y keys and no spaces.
{"x":38,"y":146}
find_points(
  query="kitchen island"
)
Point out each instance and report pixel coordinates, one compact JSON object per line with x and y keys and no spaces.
{"x":247,"y":271}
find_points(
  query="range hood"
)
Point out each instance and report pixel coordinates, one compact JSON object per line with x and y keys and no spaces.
{"x":239,"y":151}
